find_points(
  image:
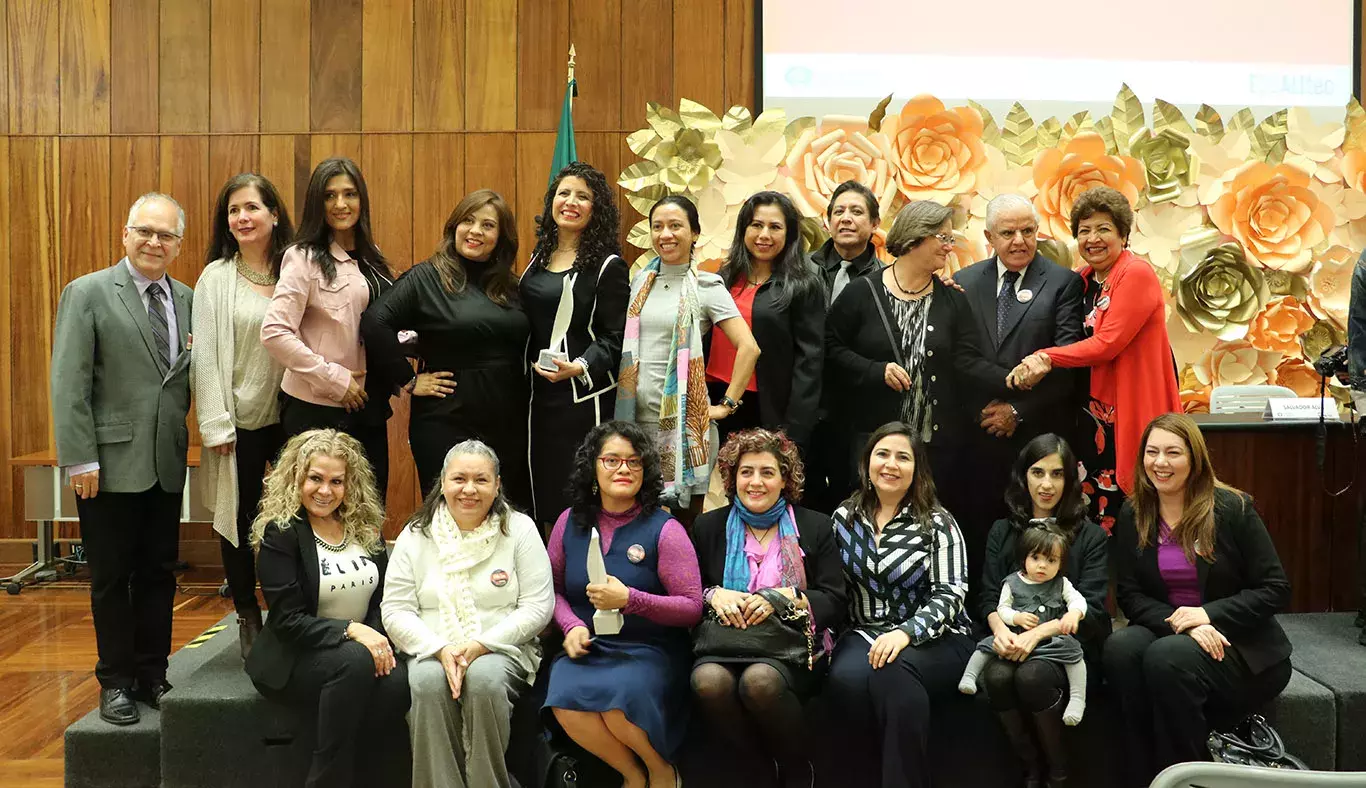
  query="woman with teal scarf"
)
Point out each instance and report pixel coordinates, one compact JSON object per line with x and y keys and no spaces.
{"x":763,"y":540}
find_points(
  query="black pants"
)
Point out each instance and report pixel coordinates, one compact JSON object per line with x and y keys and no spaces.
{"x":1172,"y":694}
{"x":254,"y":449}
{"x":828,"y":481}
{"x":431,"y":438}
{"x":298,"y":416}
{"x":891,"y":705}
{"x":359,"y":715}
{"x":131,"y":542}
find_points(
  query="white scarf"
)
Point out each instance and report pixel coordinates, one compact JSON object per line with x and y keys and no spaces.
{"x":459,"y":551}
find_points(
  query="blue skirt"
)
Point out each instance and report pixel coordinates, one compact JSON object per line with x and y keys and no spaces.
{"x":644,"y":681}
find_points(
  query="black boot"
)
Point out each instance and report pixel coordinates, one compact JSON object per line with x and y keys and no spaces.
{"x":1022,"y":742}
{"x":248,"y":625}
{"x":1049,"y":728}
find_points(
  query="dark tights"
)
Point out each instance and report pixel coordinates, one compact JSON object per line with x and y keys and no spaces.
{"x":740,"y":698}
{"x":1030,"y":686}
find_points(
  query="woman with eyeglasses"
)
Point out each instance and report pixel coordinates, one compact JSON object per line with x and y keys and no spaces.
{"x":328,"y":278}
{"x":903,"y":346}
{"x":623,"y":696}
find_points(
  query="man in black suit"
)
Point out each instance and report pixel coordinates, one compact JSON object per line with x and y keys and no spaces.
{"x":851,"y":218}
{"x":1023,"y":303}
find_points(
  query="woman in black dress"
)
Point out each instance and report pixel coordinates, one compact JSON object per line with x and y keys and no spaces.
{"x":471,"y":343}
{"x":578,"y":280}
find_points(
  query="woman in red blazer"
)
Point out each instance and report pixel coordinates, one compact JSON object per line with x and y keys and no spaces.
{"x":1133,"y":376}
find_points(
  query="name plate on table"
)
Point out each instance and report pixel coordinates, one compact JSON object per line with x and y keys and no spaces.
{"x":1301,"y":409}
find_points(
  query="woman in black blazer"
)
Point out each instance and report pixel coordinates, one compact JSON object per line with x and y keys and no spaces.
{"x":471,"y":343}
{"x":572,"y":391}
{"x":1203,"y":647}
{"x":762,"y":540}
{"x":902,"y":346}
{"x":321,"y":561}
{"x":780,"y":296}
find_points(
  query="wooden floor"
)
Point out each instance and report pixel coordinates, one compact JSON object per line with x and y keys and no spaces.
{"x":47,"y":663}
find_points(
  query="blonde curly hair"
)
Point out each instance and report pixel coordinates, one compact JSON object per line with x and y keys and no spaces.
{"x":360,"y":512}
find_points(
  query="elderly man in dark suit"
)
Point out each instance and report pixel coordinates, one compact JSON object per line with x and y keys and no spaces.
{"x":120,"y":396}
{"x":1022,"y":302}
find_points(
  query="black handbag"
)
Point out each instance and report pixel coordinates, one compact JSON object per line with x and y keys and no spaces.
{"x":786,"y":635}
{"x":1253,"y":742}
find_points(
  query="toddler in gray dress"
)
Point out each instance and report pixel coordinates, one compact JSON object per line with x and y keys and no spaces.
{"x":1036,"y":595}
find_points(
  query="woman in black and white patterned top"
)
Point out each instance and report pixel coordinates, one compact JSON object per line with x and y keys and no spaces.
{"x":906,"y":574}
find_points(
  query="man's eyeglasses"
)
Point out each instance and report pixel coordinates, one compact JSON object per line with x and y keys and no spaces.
{"x":147,"y":234}
{"x":611,"y":463}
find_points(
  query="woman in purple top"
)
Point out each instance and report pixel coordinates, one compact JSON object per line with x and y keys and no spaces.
{"x":623,"y":697}
{"x":1200,"y":581}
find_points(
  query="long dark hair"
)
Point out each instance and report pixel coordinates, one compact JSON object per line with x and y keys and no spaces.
{"x":315,"y":236}
{"x":1071,"y":511}
{"x":585,"y":503}
{"x":1196,"y":531}
{"x":497,"y":280}
{"x":599,"y":239}
{"x":921,"y":497}
{"x":422,"y":518}
{"x":223,"y":244}
{"x":791,"y":274}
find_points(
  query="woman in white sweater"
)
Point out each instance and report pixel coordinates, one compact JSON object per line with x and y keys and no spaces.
{"x":467,"y":591}
{"x":236,"y":382}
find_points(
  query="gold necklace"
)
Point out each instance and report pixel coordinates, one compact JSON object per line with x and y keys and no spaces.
{"x":252,"y":275}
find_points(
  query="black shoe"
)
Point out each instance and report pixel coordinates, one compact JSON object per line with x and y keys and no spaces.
{"x":117,"y":707}
{"x":248,"y":626}
{"x":1048,"y":726}
{"x":1361,"y":619}
{"x":1362,"y":637}
{"x":151,"y":695}
{"x":1022,"y":742}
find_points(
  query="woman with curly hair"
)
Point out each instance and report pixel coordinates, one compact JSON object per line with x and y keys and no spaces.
{"x":574,"y":293}
{"x":764,"y":544}
{"x":622,"y":696}
{"x":471,"y":343}
{"x":780,"y":296}
{"x":321,"y":560}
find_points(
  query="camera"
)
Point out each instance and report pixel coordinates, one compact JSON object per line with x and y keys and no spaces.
{"x":1333,"y":362}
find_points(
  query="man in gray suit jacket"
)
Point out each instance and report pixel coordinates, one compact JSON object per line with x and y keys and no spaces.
{"x":120,"y":397}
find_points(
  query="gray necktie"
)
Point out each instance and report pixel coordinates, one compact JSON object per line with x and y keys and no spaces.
{"x":1004,"y":301}
{"x":841,"y":279}
{"x":156,"y":312}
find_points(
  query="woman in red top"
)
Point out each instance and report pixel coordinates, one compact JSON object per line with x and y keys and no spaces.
{"x":1133,"y":376}
{"x":780,"y":296}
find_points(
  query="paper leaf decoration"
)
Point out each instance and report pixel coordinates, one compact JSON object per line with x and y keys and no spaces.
{"x":1209,"y":124}
{"x":1168,"y":116}
{"x":1019,"y":138}
{"x":1242,"y":120}
{"x":1268,"y":138}
{"x":696,"y":116}
{"x":1049,"y":133}
{"x":879,"y":112}
{"x":1106,"y":129}
{"x":991,"y":133}
{"x":1356,"y":127}
{"x":1077,"y":123}
{"x":737,"y":119}
{"x":1127,"y":117}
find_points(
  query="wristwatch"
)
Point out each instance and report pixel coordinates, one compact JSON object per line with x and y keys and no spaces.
{"x":1018,"y":418}
{"x":733,"y":404}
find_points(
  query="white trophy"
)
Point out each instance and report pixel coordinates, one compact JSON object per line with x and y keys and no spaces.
{"x":605,"y":622}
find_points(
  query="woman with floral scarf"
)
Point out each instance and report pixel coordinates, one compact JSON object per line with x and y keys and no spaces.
{"x":468,"y":590}
{"x":662,"y":384}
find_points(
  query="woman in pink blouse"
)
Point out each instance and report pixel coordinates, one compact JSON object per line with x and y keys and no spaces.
{"x":623,"y":697}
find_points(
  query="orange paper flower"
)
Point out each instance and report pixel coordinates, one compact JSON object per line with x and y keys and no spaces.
{"x":1354,"y":169}
{"x":938,"y":152}
{"x":1062,"y":175}
{"x":1279,"y":325}
{"x":1274,"y":214}
{"x":1297,"y":376}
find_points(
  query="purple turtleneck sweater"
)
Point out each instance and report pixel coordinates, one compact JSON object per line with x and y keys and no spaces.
{"x":678,"y":572}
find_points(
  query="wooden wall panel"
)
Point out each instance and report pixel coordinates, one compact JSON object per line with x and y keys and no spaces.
{"x":438,"y":185}
{"x":88,"y":242}
{"x":84,"y":83}
{"x":4,"y":84}
{"x":285,"y":51}
{"x":325,"y":146}
{"x":389,"y":178}
{"x":229,"y":155}
{"x":335,"y":43}
{"x":438,"y":65}
{"x":286,"y":160}
{"x":647,"y":35}
{"x":534,"y":152}
{"x":184,"y":174}
{"x":542,"y":62}
{"x":387,"y":66}
{"x":11,"y":510}
{"x":491,"y":65}
{"x":134,"y":66}
{"x":490,"y":163}
{"x":34,"y":101}
{"x":235,"y":65}
{"x":739,"y":57}
{"x":134,"y":170}
{"x":699,"y":52}
{"x":34,"y":288}
{"x":184,"y":67}
{"x":595,"y":31}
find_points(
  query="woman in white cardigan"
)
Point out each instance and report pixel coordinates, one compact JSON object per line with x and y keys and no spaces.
{"x":236,"y":382}
{"x":467,"y":592}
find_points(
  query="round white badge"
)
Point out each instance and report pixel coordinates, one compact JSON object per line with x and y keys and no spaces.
{"x":1025,"y":296}
{"x":1103,"y":302}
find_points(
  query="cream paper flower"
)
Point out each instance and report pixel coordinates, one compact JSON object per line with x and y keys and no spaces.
{"x":996,"y":178}
{"x":1237,"y":364}
{"x":1218,"y":162}
{"x":1157,"y":234}
{"x":1330,"y":285}
{"x":839,"y":149}
{"x":1314,"y":148}
{"x":1188,"y":346}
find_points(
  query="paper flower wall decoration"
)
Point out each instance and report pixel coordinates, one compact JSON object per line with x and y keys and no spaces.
{"x":1215,"y":290}
{"x":1274,"y":214}
{"x":1061,"y":175}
